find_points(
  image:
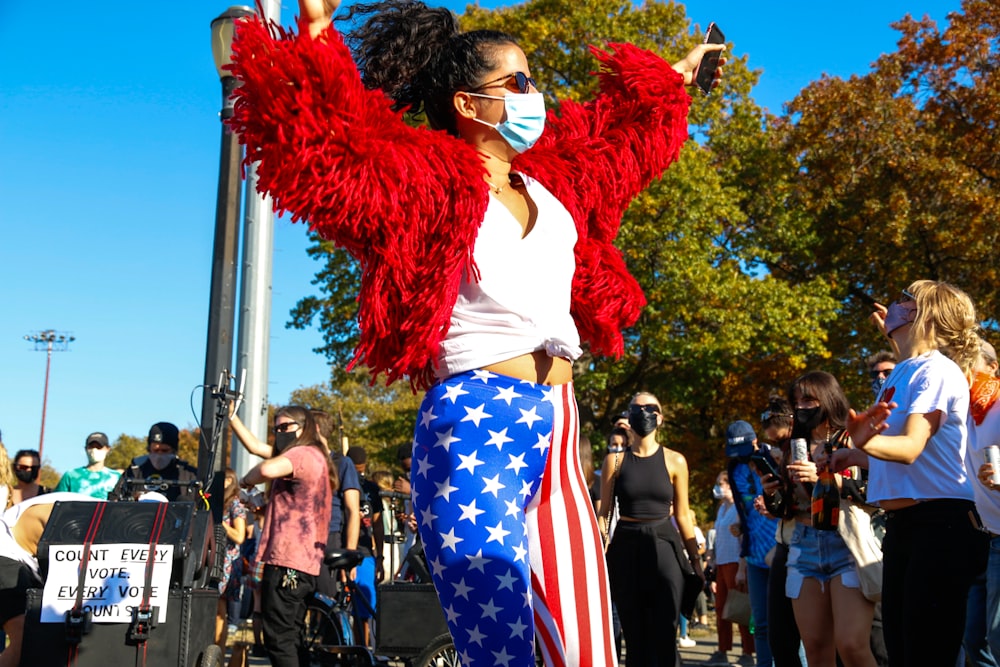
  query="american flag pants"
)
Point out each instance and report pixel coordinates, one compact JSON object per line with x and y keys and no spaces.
{"x":507,"y":523}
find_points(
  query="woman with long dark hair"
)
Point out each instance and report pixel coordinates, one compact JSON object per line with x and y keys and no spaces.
{"x":832,"y":614}
{"x":484,"y":243}
{"x":295,"y":530}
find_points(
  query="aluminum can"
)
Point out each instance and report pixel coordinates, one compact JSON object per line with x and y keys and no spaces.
{"x":992,"y":456}
{"x":800,"y":450}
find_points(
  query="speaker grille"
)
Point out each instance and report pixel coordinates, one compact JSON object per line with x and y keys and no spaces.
{"x":122,"y":522}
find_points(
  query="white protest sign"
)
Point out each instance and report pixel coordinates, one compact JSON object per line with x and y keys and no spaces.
{"x":113,"y":582}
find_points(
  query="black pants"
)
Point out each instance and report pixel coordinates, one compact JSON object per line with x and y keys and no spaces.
{"x":782,"y":632}
{"x":931,"y":554}
{"x":283,"y":614}
{"x":646,"y":586}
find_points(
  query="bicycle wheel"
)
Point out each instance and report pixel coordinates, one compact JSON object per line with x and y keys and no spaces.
{"x":439,"y":653}
{"x":211,"y":657}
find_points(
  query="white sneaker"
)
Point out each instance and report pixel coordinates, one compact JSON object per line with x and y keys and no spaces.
{"x":686,"y":642}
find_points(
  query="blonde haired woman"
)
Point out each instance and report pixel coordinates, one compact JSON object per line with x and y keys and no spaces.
{"x":934,"y":545}
{"x":7,"y":480}
{"x":644,"y":554}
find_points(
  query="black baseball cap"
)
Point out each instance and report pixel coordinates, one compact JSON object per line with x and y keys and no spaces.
{"x":98,"y":437}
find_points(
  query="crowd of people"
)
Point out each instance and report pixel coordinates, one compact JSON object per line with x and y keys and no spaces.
{"x":316,"y":498}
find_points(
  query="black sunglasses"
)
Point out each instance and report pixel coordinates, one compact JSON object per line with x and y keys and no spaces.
{"x":650,"y":408}
{"x":522,"y":80}
{"x":24,"y":468}
{"x":877,"y":374}
{"x":285,"y":427}
{"x":770,"y":414}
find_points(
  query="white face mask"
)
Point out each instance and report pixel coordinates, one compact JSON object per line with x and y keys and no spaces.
{"x":97,"y":455}
{"x":525,"y":119}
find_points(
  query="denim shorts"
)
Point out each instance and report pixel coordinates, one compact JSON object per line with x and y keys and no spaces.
{"x":820,"y":555}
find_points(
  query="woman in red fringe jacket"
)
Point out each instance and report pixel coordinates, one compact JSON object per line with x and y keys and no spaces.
{"x":486,"y":257}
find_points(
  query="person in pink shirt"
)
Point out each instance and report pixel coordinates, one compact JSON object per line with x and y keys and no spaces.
{"x":295,"y":530}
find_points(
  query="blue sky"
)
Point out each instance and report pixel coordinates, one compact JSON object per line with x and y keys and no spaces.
{"x":109,"y":157}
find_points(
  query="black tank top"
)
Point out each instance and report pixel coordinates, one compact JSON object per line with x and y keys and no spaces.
{"x":643,"y":486}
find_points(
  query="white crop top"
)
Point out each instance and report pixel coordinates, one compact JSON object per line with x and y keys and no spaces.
{"x":522,"y":300}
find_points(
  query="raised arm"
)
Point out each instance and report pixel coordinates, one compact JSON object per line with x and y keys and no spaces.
{"x":613,"y":146}
{"x":331,"y":151}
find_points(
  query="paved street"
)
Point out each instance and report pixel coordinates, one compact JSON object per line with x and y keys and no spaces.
{"x":707,"y":644}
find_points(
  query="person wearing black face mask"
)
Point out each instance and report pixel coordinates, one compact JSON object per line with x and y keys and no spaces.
{"x":644,"y":566}
{"x":161,"y":463}
{"x":27,"y":466}
{"x":295,"y":532}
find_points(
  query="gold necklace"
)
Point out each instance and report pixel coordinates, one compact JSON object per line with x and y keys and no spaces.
{"x":497,"y":189}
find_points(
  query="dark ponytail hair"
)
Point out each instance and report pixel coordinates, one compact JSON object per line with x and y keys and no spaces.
{"x":418,"y":56}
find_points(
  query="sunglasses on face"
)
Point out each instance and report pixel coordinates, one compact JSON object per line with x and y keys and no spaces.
{"x":877,"y":374}
{"x":650,"y":408}
{"x":24,"y":468}
{"x":285,"y":427}
{"x":907,"y":296}
{"x":770,"y":414}
{"x":522,"y":80}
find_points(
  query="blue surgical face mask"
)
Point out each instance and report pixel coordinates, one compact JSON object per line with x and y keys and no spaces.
{"x":897,"y":315}
{"x":877,"y":384}
{"x":525,"y":119}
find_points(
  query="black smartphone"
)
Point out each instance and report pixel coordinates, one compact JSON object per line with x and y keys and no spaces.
{"x":764,"y":465}
{"x":710,"y":61}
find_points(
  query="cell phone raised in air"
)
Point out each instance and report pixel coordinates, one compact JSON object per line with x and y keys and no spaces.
{"x":710,"y":61}
{"x":764,"y":464}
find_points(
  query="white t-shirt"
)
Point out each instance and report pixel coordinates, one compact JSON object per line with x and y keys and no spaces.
{"x":987,"y":501}
{"x":522,"y":300}
{"x":921,"y":385}
{"x":727,"y":546}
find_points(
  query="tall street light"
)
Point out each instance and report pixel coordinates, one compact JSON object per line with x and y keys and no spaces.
{"x":48,"y":340}
{"x":254,"y":310}
{"x":222,"y":300}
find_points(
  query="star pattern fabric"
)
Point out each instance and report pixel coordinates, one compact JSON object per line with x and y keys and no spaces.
{"x":483,"y":491}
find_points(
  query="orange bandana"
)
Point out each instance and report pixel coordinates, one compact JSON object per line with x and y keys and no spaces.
{"x":984,"y":393}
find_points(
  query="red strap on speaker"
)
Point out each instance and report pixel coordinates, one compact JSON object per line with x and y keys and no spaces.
{"x":88,"y":541}
{"x":154,"y":537}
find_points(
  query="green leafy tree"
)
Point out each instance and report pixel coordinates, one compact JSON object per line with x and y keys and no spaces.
{"x":869,"y":183}
{"x":376,"y":417}
{"x":123,"y":450}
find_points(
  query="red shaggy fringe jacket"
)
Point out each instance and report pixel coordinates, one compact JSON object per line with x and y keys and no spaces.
{"x":408,"y":202}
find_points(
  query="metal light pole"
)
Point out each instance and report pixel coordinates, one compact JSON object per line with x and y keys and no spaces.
{"x":47,"y":340}
{"x":221,"y":306}
{"x":253,"y":342}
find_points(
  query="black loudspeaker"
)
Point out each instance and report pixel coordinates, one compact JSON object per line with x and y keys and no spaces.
{"x":184,"y":640}
{"x":125,"y":522}
{"x":409,"y":617}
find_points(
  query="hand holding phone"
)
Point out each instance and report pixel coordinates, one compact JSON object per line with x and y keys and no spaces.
{"x":764,"y":466}
{"x":710,"y":61}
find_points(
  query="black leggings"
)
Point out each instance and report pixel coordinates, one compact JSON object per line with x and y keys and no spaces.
{"x":646,"y":586}
{"x":931,"y":553}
